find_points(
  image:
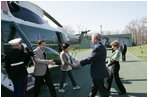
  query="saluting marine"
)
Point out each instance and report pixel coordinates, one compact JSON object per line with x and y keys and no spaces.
{"x":15,"y":64}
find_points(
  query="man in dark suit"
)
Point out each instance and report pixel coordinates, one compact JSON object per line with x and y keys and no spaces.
{"x":98,"y":68}
{"x":123,"y":50}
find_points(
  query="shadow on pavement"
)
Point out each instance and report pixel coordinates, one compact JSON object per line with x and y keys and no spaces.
{"x":133,"y":61}
{"x":129,"y":94}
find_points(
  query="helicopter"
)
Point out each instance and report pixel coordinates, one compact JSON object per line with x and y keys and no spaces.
{"x":23,"y":19}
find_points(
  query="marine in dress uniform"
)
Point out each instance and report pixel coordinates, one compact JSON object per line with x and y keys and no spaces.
{"x":15,"y":64}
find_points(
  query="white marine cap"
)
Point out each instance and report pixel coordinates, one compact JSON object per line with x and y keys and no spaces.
{"x":15,"y":41}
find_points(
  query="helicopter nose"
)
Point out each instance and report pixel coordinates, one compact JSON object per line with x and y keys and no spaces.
{"x":52,"y":54}
{"x":55,"y":57}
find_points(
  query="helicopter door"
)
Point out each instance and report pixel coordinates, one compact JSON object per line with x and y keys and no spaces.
{"x":59,"y":41}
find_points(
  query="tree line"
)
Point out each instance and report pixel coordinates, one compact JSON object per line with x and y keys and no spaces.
{"x":138,"y":29}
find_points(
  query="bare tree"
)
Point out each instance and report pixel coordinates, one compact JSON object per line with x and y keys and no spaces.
{"x":138,"y":29}
{"x":68,"y":29}
{"x":108,"y":32}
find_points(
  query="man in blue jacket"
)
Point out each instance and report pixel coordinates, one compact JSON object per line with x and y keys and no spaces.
{"x":97,"y":67}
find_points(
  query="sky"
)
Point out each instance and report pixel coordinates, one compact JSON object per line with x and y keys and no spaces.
{"x":112,"y":15}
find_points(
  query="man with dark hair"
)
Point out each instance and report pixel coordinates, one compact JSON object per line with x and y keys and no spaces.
{"x":123,"y":50}
{"x":40,"y":42}
{"x":41,"y":71}
{"x":98,"y":68}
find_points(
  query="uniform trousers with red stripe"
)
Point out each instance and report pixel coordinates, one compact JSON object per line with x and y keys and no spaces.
{"x":20,"y":86}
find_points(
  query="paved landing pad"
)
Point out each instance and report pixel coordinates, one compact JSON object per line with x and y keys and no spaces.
{"x":133,"y":74}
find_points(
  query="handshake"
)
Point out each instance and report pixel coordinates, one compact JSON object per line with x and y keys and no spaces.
{"x":51,"y":62}
{"x":76,"y":63}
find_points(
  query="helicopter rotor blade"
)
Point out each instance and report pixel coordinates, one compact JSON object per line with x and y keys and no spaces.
{"x":52,"y":19}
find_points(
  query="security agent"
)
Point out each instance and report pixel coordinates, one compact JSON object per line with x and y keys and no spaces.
{"x":15,"y":64}
{"x":123,"y":49}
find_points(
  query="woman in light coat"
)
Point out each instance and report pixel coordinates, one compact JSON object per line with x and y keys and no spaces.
{"x":66,"y":67}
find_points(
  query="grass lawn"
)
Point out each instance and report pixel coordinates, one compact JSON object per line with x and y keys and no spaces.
{"x":140,"y":51}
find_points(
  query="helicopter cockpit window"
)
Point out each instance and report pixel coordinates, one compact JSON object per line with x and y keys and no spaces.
{"x":33,"y":37}
{"x":8,"y":31}
{"x":49,"y":37}
{"x":64,"y":37}
{"x":24,"y":13}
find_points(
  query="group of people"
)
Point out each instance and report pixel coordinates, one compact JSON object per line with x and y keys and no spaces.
{"x":17,"y":59}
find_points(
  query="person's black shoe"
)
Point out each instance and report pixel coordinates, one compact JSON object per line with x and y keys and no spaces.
{"x":108,"y":94}
{"x":122,"y":93}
